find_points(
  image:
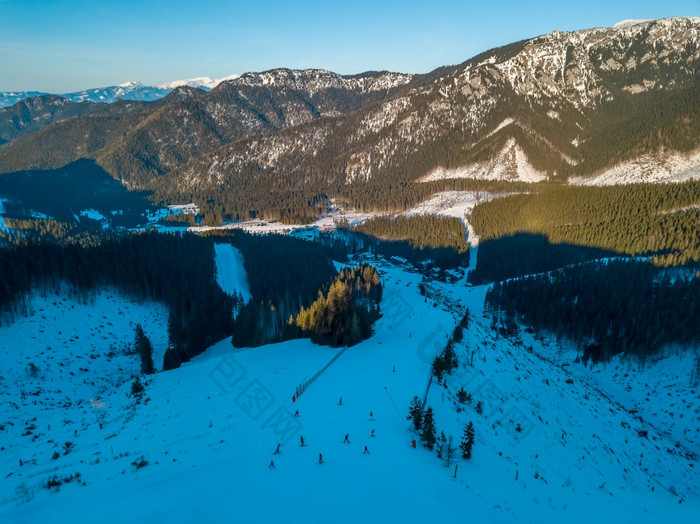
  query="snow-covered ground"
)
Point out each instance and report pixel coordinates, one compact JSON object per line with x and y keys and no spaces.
{"x":510,"y":164}
{"x":327,"y":222}
{"x":230,"y":273}
{"x":662,"y":392}
{"x":66,"y":352}
{"x":208,"y":430}
{"x":92,"y":214}
{"x":253,"y":226}
{"x":171,"y":210}
{"x":457,"y":204}
{"x":647,"y":168}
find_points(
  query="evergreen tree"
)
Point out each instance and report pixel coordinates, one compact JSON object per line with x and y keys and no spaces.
{"x":467,"y":441}
{"x":465,"y":320}
{"x":458,"y":334}
{"x":137,"y":387}
{"x":438,"y":367}
{"x":415,"y":413}
{"x":450,"y":357}
{"x":145,"y":350}
{"x":462,"y":396}
{"x":427,"y":435}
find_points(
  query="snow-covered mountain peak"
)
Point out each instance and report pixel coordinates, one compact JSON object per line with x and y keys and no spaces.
{"x":627,"y":23}
{"x":201,"y":82}
{"x":570,"y":63}
{"x":227,"y":78}
{"x":314,"y":80}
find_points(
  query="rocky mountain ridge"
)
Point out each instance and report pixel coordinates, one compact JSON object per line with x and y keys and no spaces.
{"x":565,"y":104}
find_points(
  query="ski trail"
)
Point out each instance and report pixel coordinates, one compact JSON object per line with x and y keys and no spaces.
{"x":230,"y":272}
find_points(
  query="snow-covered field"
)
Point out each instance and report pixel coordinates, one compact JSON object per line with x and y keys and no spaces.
{"x":199,"y":444}
{"x":66,"y":352}
{"x":662,"y":393}
{"x":458,"y":204}
{"x":262,"y":227}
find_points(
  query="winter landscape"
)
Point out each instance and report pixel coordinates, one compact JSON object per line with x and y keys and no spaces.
{"x":467,"y":294}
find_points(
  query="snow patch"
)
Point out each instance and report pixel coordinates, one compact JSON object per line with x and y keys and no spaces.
{"x":631,"y":22}
{"x":92,"y":214}
{"x":647,"y":168}
{"x":230,"y":272}
{"x":510,"y":164}
{"x":201,"y":82}
{"x":185,"y":209}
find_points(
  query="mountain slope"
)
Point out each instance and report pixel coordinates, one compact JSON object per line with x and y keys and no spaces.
{"x":125,"y":91}
{"x":9,"y":98}
{"x":168,"y":135}
{"x":568,"y":103}
{"x":201,"y":427}
{"x":34,"y":114}
{"x":280,"y":143}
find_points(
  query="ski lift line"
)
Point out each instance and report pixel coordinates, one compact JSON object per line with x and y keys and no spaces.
{"x":427,"y":388}
{"x":396,"y":408}
{"x":306,"y":384}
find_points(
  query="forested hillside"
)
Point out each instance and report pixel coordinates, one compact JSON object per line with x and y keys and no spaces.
{"x":424,"y":231}
{"x":151,"y":139}
{"x":176,"y":270}
{"x":346,"y":313}
{"x":607,"y":309}
{"x":525,"y":254}
{"x":643,"y":219}
{"x":82,"y":186}
{"x":284,"y":274}
{"x":33,"y":114}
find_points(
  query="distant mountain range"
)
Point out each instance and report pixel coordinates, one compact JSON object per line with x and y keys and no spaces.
{"x":127,"y":91}
{"x":563,"y":106}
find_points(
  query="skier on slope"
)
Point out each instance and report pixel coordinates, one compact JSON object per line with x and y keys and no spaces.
{"x":272,"y":465}
{"x":366,"y":451}
{"x":372,"y":434}
{"x":340,"y":402}
{"x":347,"y":438}
{"x":277,"y":451}
{"x":320,"y":458}
{"x":302,"y":441}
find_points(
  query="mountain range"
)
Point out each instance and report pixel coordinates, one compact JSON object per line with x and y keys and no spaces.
{"x":566,"y":106}
{"x":134,"y":91}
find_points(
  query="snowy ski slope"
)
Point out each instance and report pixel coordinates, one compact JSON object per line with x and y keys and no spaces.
{"x":209,"y":429}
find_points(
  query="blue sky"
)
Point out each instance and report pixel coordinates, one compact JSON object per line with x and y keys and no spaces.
{"x":66,"y":45}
